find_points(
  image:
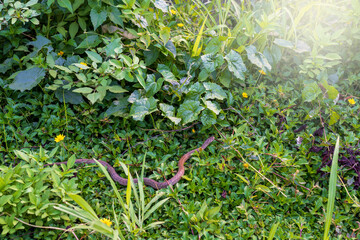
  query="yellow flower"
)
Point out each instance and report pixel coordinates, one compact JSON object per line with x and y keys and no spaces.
{"x":262,"y":72}
{"x":84,"y":64}
{"x":244,"y":94}
{"x":60,"y":53}
{"x":180,"y":25}
{"x":193,"y":130}
{"x":246,"y":165}
{"x":59,"y":138}
{"x":351,"y":101}
{"x":106,"y":221}
{"x":173,"y":11}
{"x":151,"y":9}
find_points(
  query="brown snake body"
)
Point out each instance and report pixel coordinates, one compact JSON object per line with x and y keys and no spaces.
{"x":150,"y":182}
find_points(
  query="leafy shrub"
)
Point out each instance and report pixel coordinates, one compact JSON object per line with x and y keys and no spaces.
{"x":29,"y":193}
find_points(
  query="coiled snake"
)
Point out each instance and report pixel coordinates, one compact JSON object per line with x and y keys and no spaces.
{"x":150,"y":182}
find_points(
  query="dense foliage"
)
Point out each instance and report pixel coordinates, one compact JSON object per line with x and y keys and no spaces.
{"x":140,"y":83}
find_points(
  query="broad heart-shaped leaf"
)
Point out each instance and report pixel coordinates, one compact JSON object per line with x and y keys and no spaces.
{"x":70,"y":97}
{"x":153,"y":85}
{"x":208,"y":117}
{"x":115,"y":16}
{"x":195,"y":91}
{"x":213,"y":107}
{"x":93,"y":97}
{"x":171,"y":47}
{"x":214,"y":91}
{"x":118,"y":108}
{"x":257,"y":58}
{"x":169,"y":112}
{"x":65,"y":4}
{"x":143,"y":107}
{"x":189,"y":111}
{"x":162,"y":5}
{"x":90,"y":41}
{"x":40,"y":42}
{"x":151,"y":55}
{"x":310,"y":92}
{"x":97,"y":17}
{"x":167,"y":74}
{"x":211,"y":61}
{"x":27,"y":79}
{"x":236,"y":64}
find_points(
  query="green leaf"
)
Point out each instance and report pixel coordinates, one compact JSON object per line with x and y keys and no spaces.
{"x":97,"y":17}
{"x":95,"y":57}
{"x":257,"y":58}
{"x":189,"y":111}
{"x":117,"y":89}
{"x":213,"y":107}
{"x":334,"y":117}
{"x":4,"y":199}
{"x":27,"y":79}
{"x":93,"y":97}
{"x":236,"y":64}
{"x":73,"y":29}
{"x":70,"y":163}
{"x":273,"y":231}
{"x":143,"y":107}
{"x":151,"y":55}
{"x":310,"y":92}
{"x":283,"y":43}
{"x":70,"y":97}
{"x":171,"y":47}
{"x":65,"y":4}
{"x":213,"y":46}
{"x":84,"y":90}
{"x":214,"y":91}
{"x":118,"y":108}
{"x":115,"y":16}
{"x":208,"y":117}
{"x":331,"y":91}
{"x":113,"y":48}
{"x":128,"y":189}
{"x":165,"y":34}
{"x":210,"y":214}
{"x":196,"y":49}
{"x":90,"y":42}
{"x":166,"y":73}
{"x":332,"y":190}
{"x":169,"y":112}
{"x":83,"y":204}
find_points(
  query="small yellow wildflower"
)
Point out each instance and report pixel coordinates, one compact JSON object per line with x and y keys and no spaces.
{"x":60,"y":53}
{"x":84,"y":64}
{"x":151,"y":9}
{"x":262,"y":72}
{"x":351,"y":101}
{"x":106,"y":221}
{"x":180,"y":25}
{"x":193,"y":130}
{"x":246,"y":165}
{"x":59,"y":138}
{"x":244,"y":94}
{"x":173,"y":11}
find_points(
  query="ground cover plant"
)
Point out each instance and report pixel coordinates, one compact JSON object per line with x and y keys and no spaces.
{"x":138,"y":84}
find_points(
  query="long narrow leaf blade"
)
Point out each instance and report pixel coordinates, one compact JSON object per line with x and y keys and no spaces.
{"x":332,"y":191}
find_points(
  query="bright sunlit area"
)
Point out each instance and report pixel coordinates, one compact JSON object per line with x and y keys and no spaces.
{"x":179,"y":119}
